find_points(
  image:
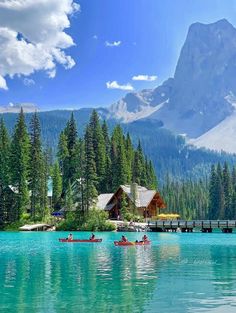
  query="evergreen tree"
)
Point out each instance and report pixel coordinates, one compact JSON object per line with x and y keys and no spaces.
{"x":118,"y":159}
{"x":90,"y":175}
{"x":99,"y":147}
{"x":56,"y":185}
{"x":69,"y":202}
{"x":71,"y":134}
{"x":227,"y":187}
{"x":107,"y":183}
{"x":36,"y":173}
{"x":129,"y":157}
{"x":63,"y":155}
{"x":151,"y":176}
{"x":220,"y":192}
{"x":4,"y":172}
{"x":142,"y":175}
{"x":44,"y":185}
{"x":19,"y":160}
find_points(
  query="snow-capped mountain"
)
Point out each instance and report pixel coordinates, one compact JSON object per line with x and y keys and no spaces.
{"x":135,"y":106}
{"x":197,"y":101}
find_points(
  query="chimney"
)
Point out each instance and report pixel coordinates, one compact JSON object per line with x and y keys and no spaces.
{"x":134,"y":193}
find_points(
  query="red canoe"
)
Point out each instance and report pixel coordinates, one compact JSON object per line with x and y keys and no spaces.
{"x":80,"y":240}
{"x":131,"y":243}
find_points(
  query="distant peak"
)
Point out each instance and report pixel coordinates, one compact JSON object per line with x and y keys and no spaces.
{"x":223,"y":23}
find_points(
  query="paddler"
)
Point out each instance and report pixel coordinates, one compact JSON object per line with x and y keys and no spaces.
{"x":70,"y":237}
{"x":92,"y":237}
{"x":145,"y":238}
{"x":124,"y":239}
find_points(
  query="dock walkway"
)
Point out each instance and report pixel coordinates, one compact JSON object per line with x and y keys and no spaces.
{"x":206,"y":226}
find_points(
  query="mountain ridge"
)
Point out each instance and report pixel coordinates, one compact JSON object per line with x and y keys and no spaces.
{"x":195,"y":99}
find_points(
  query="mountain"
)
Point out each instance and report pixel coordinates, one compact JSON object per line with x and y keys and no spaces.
{"x":199,"y":101}
{"x":220,"y":137}
{"x":201,"y":94}
{"x":170,"y":153}
{"x":135,"y":106}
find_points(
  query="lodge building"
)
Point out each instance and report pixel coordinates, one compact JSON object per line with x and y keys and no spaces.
{"x":147,"y":203}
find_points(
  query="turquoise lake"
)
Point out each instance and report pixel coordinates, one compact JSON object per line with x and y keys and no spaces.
{"x":189,"y":272}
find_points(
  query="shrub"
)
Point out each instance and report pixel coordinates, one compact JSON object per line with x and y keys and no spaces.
{"x":97,"y":221}
{"x":133,"y":217}
{"x":70,"y":223}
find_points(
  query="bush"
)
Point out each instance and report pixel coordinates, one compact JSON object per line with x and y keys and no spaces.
{"x":25,"y":217}
{"x":97,"y":221}
{"x":14,"y":226}
{"x":69,"y":224}
{"x":132,"y":217}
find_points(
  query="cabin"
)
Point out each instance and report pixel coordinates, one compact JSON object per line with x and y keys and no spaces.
{"x":147,"y":203}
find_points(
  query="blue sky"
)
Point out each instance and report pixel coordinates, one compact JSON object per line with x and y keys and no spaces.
{"x":148,"y":35}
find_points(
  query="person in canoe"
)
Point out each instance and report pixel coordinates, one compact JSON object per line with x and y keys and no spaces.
{"x":92,"y":237}
{"x":145,"y":238}
{"x":124,"y":239}
{"x":70,"y":237}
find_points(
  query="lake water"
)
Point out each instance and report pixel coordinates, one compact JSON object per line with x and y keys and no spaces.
{"x":189,"y":272}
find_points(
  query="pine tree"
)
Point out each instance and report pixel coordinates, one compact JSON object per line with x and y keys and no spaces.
{"x":107,"y":184}
{"x":36,"y":167}
{"x":19,"y":161}
{"x":151,"y":177}
{"x":142,"y":175}
{"x":213,"y":214}
{"x":71,"y":134}
{"x":99,"y":147}
{"x":63,"y":155}
{"x":4,"y":172}
{"x":90,"y":175}
{"x":220,"y":192}
{"x":137,"y":168}
{"x":56,"y":185}
{"x":44,"y":185}
{"x":227,"y":186}
{"x":129,"y":157}
{"x":118,"y":158}
{"x":69,"y":202}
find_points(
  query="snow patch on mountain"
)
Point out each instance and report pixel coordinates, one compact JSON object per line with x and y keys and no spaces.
{"x":121,"y":113}
{"x":219,"y":138}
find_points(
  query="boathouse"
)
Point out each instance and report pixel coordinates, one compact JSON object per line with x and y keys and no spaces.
{"x":147,"y":203}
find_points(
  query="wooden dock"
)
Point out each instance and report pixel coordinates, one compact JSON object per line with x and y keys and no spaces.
{"x":205,"y":226}
{"x":35,"y":227}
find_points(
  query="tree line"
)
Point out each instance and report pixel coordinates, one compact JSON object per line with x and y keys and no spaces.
{"x":212,"y":197}
{"x":98,"y":162}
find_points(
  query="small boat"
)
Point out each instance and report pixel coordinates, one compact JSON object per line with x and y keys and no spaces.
{"x":131,"y":243}
{"x":79,"y":240}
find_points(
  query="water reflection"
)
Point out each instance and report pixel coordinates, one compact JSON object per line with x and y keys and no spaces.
{"x":192,"y":272}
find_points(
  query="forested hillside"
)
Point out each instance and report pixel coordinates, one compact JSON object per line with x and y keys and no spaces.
{"x":212,"y":197}
{"x":169,"y":153}
{"x":83,"y":167}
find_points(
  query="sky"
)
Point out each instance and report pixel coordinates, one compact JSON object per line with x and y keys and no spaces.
{"x":89,"y":53}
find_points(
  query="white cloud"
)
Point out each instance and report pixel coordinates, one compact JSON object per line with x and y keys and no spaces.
{"x":3,"y":84}
{"x":115,"y":85}
{"x":28,"y":82}
{"x":32,"y":36}
{"x":95,"y":37}
{"x":149,"y":78}
{"x":113,"y":43}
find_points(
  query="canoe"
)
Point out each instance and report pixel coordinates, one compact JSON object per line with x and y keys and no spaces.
{"x":80,"y":240}
{"x":131,"y":243}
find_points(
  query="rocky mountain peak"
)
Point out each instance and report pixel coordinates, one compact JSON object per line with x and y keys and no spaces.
{"x":197,"y":98}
